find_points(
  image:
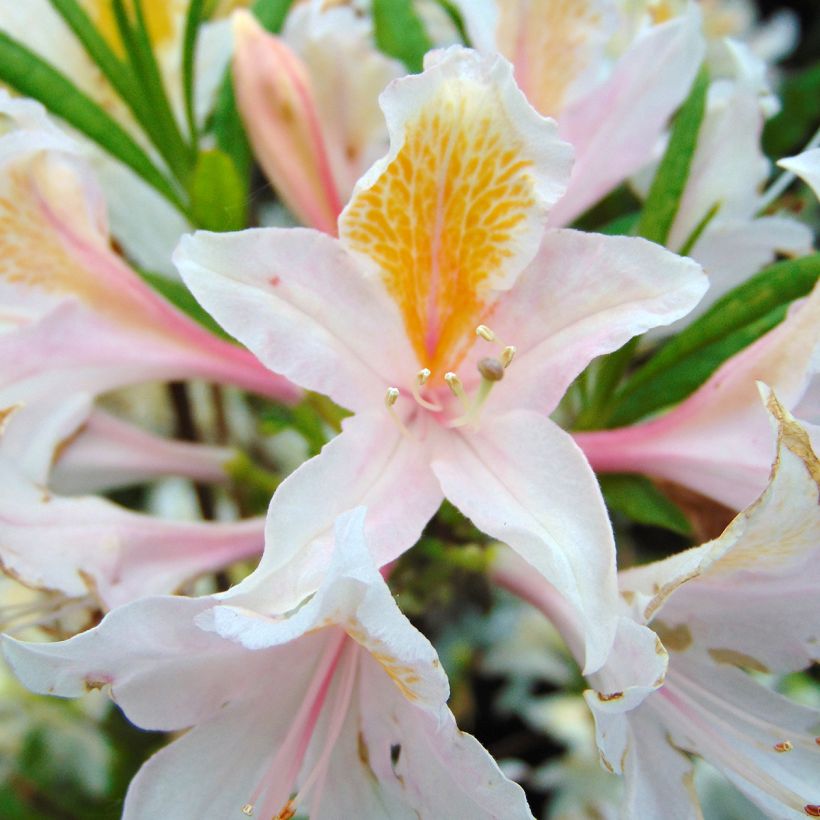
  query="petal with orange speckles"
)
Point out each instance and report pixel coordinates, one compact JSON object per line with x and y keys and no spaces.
{"x":458,"y":205}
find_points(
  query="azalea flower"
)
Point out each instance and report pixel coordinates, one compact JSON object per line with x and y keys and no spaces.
{"x":104,"y":554}
{"x":309,"y":100}
{"x":361,"y":727}
{"x":717,"y":441}
{"x":76,"y":321}
{"x":719,"y":611}
{"x":442,"y":238}
{"x":612,"y":100}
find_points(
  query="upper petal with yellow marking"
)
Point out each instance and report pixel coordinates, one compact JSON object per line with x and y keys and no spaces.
{"x":457,"y":207}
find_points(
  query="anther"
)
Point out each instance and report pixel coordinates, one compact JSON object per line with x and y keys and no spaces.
{"x":485,"y":333}
{"x":491,"y":369}
{"x":812,"y":810}
{"x":390,"y":398}
{"x":247,"y":809}
{"x":288,"y":812}
{"x":507,"y":355}
{"x":784,"y":746}
{"x":454,"y":383}
{"x":421,"y":379}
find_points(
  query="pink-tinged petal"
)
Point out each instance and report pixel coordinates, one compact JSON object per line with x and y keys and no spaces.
{"x":106,"y":453}
{"x":615,"y":128}
{"x":584,"y":295}
{"x":354,"y":596}
{"x":275,"y":96}
{"x":348,"y":74}
{"x":54,"y":243}
{"x":658,"y":776}
{"x":764,"y":743}
{"x":370,"y":463}
{"x":458,"y":205}
{"x":635,"y":668}
{"x":301,"y":303}
{"x":718,"y":441}
{"x":421,"y":761}
{"x":749,"y":594}
{"x":521,"y":480}
{"x":164,"y":671}
{"x":806,"y":166}
{"x":88,"y":545}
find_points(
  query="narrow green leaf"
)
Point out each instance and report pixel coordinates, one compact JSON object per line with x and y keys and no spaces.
{"x":621,"y":226}
{"x":678,"y":381}
{"x":775,"y":285}
{"x":400,"y":33}
{"x":227,"y":124}
{"x":117,"y":72}
{"x":608,"y":372}
{"x":192,"y":23}
{"x":218,"y":195}
{"x":32,"y":76}
{"x":638,"y":498}
{"x":180,"y":297}
{"x":696,"y":234}
{"x":667,"y":188}
{"x":138,"y":46}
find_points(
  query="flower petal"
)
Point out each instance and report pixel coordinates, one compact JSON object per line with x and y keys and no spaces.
{"x":371,"y":463}
{"x":806,"y":166}
{"x":748,"y":597}
{"x":584,"y":295}
{"x":615,"y":128}
{"x":458,"y":204}
{"x":106,"y":453}
{"x":121,"y":555}
{"x":520,"y":479}
{"x":301,"y":303}
{"x":718,"y":441}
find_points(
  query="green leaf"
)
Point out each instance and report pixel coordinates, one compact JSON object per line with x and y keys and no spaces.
{"x":786,"y":133}
{"x":179,"y":296}
{"x":638,"y":498}
{"x":117,"y":72}
{"x":227,"y":124}
{"x":452,"y":11}
{"x":137,"y":42}
{"x":193,"y":21}
{"x":667,"y":188}
{"x":34,"y":77}
{"x":218,"y":194}
{"x":748,"y":303}
{"x":678,"y":381}
{"x":400,"y":33}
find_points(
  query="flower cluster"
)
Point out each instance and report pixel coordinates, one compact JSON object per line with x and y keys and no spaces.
{"x":518,"y":284}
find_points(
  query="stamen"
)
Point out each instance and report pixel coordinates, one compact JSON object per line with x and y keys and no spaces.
{"x":390,"y":398}
{"x":454,"y":383}
{"x":507,"y":355}
{"x":491,"y":371}
{"x":247,"y":809}
{"x":485,"y":333}
{"x":421,"y":379}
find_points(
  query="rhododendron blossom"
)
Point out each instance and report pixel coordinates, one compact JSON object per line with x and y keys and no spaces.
{"x":443,"y":268}
{"x":361,"y":725}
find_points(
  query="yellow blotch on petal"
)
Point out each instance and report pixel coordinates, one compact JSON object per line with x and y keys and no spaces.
{"x":548,"y":41}
{"x":405,"y":677}
{"x":445,"y":216}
